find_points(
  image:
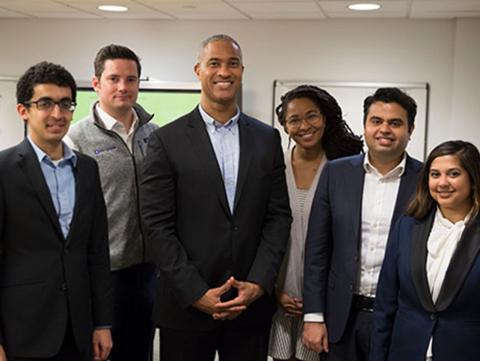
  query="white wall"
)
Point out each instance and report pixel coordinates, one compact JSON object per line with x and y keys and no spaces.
{"x":465,"y":115}
{"x":444,"y":53}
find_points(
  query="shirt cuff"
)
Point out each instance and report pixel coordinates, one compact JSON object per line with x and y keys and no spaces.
{"x":103,"y":327}
{"x":314,"y":317}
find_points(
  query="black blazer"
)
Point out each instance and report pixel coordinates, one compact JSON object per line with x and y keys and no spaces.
{"x":194,"y":238}
{"x":45,"y":278}
{"x":405,"y":316}
{"x":332,"y":250}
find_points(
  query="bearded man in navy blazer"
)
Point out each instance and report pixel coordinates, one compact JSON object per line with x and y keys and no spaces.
{"x":55,"y":298}
{"x":357,"y":202}
{"x":217,"y":216}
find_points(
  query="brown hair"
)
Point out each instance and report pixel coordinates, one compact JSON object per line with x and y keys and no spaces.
{"x":469,"y":159}
{"x":112,"y":52}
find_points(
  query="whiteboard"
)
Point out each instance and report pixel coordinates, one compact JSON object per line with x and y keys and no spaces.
{"x":350,"y":97}
{"x":11,"y":125}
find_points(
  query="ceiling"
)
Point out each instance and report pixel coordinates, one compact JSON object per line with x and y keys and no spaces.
{"x":237,"y":9}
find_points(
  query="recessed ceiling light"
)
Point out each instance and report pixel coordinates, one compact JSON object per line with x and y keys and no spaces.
{"x":364,"y":6}
{"x":114,"y":8}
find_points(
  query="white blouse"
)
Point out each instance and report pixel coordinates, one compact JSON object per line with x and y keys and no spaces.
{"x":442,"y":243}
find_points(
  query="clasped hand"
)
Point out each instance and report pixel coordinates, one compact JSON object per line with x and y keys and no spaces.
{"x":211,"y":302}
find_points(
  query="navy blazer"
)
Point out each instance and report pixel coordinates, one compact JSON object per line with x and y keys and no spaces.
{"x":45,"y":278}
{"x":197,"y":242}
{"x":405,"y":317}
{"x":332,"y":250}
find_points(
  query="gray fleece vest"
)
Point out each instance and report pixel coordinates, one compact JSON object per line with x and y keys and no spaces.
{"x":120,"y":173}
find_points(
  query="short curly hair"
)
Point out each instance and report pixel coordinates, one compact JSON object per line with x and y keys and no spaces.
{"x":44,"y":73}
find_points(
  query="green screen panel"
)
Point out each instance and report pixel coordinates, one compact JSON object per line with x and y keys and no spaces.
{"x":167,"y":105}
{"x":85,"y":100}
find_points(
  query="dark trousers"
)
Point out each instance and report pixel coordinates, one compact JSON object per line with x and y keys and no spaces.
{"x":68,"y":351}
{"x":133,"y":329}
{"x":232,"y":344}
{"x":355,"y":342}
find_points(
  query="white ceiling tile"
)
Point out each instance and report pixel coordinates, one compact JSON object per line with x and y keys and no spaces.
{"x":389,"y":9}
{"x":44,"y":9}
{"x":237,"y":9}
{"x":281,"y":10}
{"x":272,"y":2}
{"x":4,"y":13}
{"x":135,"y":10}
{"x":197,"y":10}
{"x":445,"y":8}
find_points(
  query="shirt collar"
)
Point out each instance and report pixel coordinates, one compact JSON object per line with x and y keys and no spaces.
{"x":110,"y":122}
{"x":396,"y":172}
{"x":440,"y":219}
{"x":68,"y":153}
{"x":213,"y":124}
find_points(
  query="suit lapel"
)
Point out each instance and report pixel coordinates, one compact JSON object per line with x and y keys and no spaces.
{"x":405,"y":191}
{"x":31,"y":167}
{"x":418,"y":259}
{"x":200,"y":140}
{"x":460,"y":264}
{"x":356,"y":181}
{"x":79,"y":192}
{"x":246,"y":151}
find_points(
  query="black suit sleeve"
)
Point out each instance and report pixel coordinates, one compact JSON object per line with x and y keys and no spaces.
{"x":99,"y":259}
{"x":318,"y":247}
{"x":386,"y":300}
{"x":276,"y":227}
{"x":158,"y":200}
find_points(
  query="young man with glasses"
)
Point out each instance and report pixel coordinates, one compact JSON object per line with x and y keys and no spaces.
{"x":55,"y":293}
{"x":116,"y":134}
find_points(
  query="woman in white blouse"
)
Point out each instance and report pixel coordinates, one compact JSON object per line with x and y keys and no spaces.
{"x":313,"y":120}
{"x":428,"y":296}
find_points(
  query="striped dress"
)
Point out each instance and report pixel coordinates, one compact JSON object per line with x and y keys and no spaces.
{"x":286,"y":332}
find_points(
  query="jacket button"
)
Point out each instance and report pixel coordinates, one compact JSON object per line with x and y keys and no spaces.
{"x":63,"y":287}
{"x":433,"y":316}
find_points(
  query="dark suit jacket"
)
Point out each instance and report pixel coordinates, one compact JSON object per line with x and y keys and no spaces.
{"x":43,"y":276}
{"x":405,"y":317}
{"x":332,"y":250}
{"x":195,"y":239}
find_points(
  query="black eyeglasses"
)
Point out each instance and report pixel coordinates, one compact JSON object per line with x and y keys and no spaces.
{"x":48,"y":104}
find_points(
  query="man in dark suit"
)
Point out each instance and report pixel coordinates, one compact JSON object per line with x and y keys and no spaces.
{"x":357,"y":201}
{"x":217,"y":215}
{"x":55,"y":298}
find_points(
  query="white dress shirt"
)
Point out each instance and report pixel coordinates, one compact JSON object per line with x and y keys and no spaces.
{"x":114,"y":125}
{"x":378,"y":203}
{"x":110,"y":123}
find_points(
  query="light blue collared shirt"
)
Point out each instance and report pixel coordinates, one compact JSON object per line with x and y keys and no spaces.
{"x":61,"y":183}
{"x":226,"y":144}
